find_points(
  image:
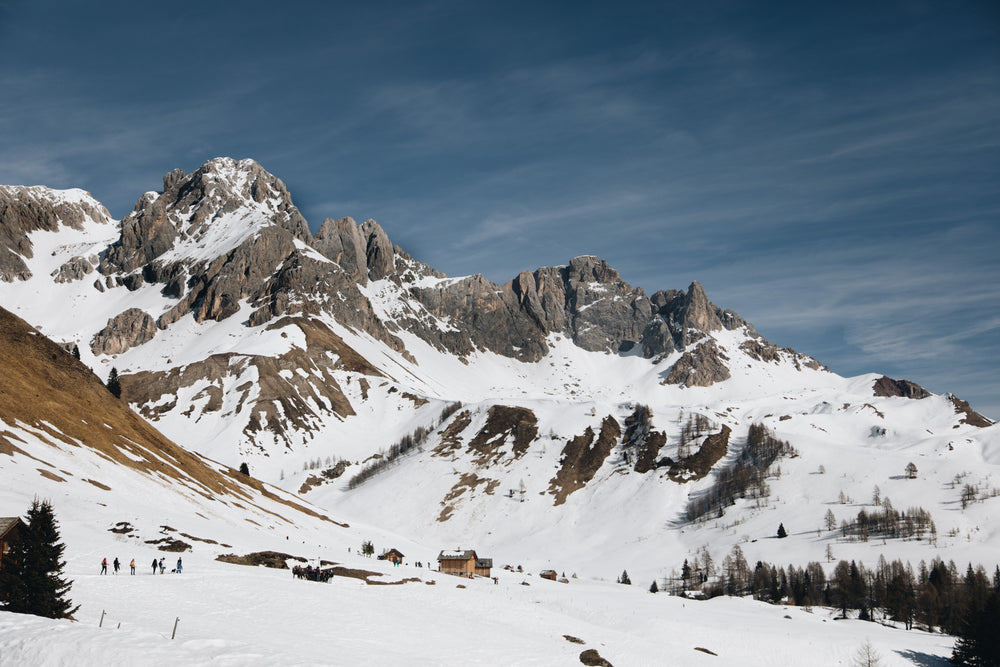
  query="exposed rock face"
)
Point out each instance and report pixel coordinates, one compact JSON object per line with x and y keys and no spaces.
{"x":378,"y":250}
{"x":701,"y":367}
{"x":74,"y":269}
{"x":341,"y":242}
{"x":586,"y":301}
{"x":886,"y":386}
{"x":125,"y":330}
{"x":27,"y":209}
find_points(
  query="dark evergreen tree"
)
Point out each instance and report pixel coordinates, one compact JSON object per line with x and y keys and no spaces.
{"x":781,"y":530}
{"x":245,"y":469}
{"x":114,"y":384}
{"x":978,"y":644}
{"x":653,"y":588}
{"x":624,"y":578}
{"x":32,"y":580}
{"x":76,"y":352}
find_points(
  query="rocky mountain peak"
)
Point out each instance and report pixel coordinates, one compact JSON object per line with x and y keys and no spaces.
{"x":210,"y":210}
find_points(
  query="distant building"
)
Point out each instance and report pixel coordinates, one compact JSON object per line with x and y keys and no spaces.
{"x":548,"y":574}
{"x":10,"y":532}
{"x":392,"y":555}
{"x":464,"y":563}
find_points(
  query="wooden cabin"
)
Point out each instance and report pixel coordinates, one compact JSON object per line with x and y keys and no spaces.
{"x":393,"y":556}
{"x":548,"y":574}
{"x":464,"y":563}
{"x":483,"y":566}
{"x":10,"y":532}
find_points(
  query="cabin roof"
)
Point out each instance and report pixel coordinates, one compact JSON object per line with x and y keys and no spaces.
{"x":457,"y":555}
{"x":7,"y":523}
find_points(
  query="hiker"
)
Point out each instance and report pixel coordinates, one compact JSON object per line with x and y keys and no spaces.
{"x":162,"y":567}
{"x":178,"y":566}
{"x":132,"y":565}
{"x":116,"y":564}
{"x":155,"y":565}
{"x":104,"y":566}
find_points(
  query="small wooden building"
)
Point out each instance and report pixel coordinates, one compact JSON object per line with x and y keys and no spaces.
{"x":10,"y":532}
{"x":464,"y":563}
{"x":392,"y":555}
{"x":483,"y":566}
{"x":548,"y":574}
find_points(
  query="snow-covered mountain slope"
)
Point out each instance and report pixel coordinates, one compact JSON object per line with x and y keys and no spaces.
{"x":122,"y":491}
{"x":244,"y":338}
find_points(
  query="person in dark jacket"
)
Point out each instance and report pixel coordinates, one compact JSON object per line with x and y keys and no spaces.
{"x":155,"y":565}
{"x":178,"y":566}
{"x":117,"y":565}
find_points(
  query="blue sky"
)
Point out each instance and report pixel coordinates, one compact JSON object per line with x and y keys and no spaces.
{"x":831,"y":173}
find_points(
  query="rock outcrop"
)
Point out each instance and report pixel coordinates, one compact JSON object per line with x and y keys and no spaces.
{"x":125,"y":330}
{"x":886,"y":386}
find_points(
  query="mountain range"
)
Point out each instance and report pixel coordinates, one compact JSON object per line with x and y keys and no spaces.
{"x":562,"y":419}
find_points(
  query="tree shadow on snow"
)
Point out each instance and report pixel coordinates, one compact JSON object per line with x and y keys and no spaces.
{"x":924,"y":659}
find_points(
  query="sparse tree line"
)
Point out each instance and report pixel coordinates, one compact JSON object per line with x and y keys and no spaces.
{"x":887,"y":522}
{"x":934,"y":597}
{"x":745,"y":478}
{"x":697,"y":426}
{"x":385,"y":458}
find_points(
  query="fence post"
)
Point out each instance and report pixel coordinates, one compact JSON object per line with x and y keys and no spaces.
{"x":101,"y":624}
{"x":176,"y":621}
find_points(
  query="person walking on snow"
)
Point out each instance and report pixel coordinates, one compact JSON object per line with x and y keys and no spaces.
{"x":104,"y":566}
{"x":162,"y":567}
{"x":116,"y":564}
{"x":155,"y":565}
{"x":178,"y":566}
{"x":132,"y":565}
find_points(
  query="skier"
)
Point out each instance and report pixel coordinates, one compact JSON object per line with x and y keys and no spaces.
{"x":155,"y":565}
{"x":178,"y":566}
{"x":116,"y":564}
{"x":104,"y":566}
{"x":132,"y":565}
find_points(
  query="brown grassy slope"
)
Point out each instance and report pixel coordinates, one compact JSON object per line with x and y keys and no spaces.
{"x":47,"y":389}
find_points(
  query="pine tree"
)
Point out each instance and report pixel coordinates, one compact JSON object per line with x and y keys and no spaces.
{"x":245,"y":469}
{"x":624,"y":578}
{"x":979,"y":644}
{"x":114,"y":384}
{"x":781,"y":530}
{"x":32,"y":580}
{"x":653,"y":588}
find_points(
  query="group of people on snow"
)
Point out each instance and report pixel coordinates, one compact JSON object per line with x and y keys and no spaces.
{"x":157,"y":565}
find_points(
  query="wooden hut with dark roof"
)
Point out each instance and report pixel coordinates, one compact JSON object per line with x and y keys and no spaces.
{"x":464,"y":562}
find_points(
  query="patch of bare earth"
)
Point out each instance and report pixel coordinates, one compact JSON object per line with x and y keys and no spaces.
{"x":451,"y":440}
{"x":272,"y":559}
{"x":503,"y":422}
{"x":700,"y":463}
{"x":468,"y":482}
{"x":972,"y":418}
{"x":582,"y":457}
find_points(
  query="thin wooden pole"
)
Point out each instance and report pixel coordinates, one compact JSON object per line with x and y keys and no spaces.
{"x":101,"y":624}
{"x":176,"y":621}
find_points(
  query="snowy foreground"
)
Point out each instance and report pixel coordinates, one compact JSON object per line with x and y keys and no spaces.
{"x":239,"y":615}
